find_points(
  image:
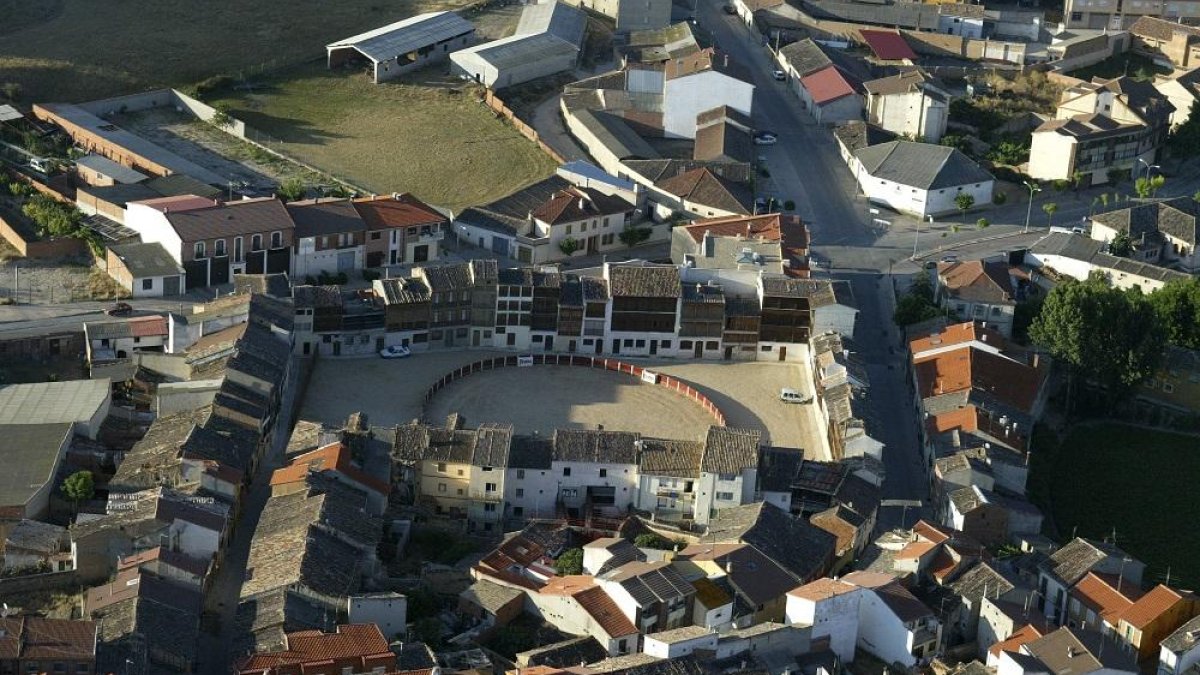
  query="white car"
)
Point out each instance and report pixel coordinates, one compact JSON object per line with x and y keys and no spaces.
{"x":765,"y":138}
{"x":793,"y":396}
{"x":395,"y":352}
{"x":779,"y":75}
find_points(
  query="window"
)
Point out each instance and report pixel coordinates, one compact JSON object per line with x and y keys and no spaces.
{"x":604,"y":473}
{"x":460,"y":491}
{"x":441,"y":467}
{"x":518,"y":511}
{"x":568,"y":230}
{"x":256,"y":242}
{"x":725,"y":496}
{"x":219,"y":248}
{"x":441,"y":487}
{"x":1168,"y":388}
{"x":460,"y":472}
{"x":276,"y":239}
{"x":712,"y":344}
{"x":520,"y":474}
{"x":640,"y":344}
{"x":566,"y":471}
{"x":375,"y":236}
{"x":489,"y":508}
{"x":520,"y":492}
{"x":199,"y":253}
{"x":237,"y":249}
{"x":685,"y":344}
{"x":489,"y":487}
{"x":147,"y":284}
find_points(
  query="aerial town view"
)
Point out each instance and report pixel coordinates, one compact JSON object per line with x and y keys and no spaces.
{"x":600,"y":337}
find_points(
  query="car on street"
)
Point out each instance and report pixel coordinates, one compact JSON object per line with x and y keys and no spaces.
{"x":779,"y":75}
{"x":729,"y":9}
{"x":765,"y":138}
{"x":930,"y":264}
{"x":395,"y":352}
{"x":120,"y":309}
{"x":765,"y":205}
{"x":949,"y":258}
{"x":793,"y":396}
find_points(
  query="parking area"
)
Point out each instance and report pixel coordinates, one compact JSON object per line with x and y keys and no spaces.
{"x":543,"y":398}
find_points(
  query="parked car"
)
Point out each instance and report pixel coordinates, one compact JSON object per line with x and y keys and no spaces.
{"x":930,"y":264}
{"x":120,"y":309}
{"x":765,"y":138}
{"x":779,"y":75}
{"x":793,"y":396}
{"x":949,"y":258}
{"x":395,"y":352}
{"x":729,"y":9}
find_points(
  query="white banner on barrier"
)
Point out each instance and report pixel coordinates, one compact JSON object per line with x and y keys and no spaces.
{"x":524,"y":361}
{"x":650,"y":376}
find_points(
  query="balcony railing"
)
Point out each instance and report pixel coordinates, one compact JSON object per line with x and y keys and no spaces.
{"x":431,"y":236}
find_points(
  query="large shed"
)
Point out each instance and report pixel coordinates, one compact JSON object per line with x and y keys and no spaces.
{"x":405,"y":45}
{"x":516,"y":59}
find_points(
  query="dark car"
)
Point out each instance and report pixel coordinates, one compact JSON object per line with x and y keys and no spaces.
{"x":729,"y":9}
{"x":120,"y":309}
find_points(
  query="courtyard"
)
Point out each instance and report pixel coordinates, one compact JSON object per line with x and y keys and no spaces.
{"x":543,"y":398}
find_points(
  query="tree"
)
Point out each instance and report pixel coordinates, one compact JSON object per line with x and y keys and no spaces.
{"x":922,"y":287}
{"x":964,"y":202}
{"x":1050,"y":208}
{"x":1009,"y":152}
{"x":79,"y":487}
{"x":570,"y":562}
{"x":1104,"y":199}
{"x":632,"y":236}
{"x":292,"y":189}
{"x":982,"y":223}
{"x":651,"y":540}
{"x":1184,"y":141}
{"x":569,"y":246}
{"x":1107,"y":335}
{"x":221,"y":117}
{"x":911,"y":309}
{"x":1148,"y":186}
{"x":1121,"y":245}
{"x":53,"y":218}
{"x":1177,"y":306}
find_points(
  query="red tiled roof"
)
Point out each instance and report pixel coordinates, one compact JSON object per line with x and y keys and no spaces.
{"x":1024,"y":634}
{"x":333,"y":457}
{"x":383,"y":213}
{"x":915,"y":549}
{"x":827,"y":85}
{"x":823,"y":589}
{"x":574,"y":204}
{"x":1099,"y":592}
{"x":958,"y":333}
{"x":887,"y":45}
{"x":942,"y":566}
{"x":869,"y":579}
{"x":965,"y":367}
{"x":363,"y":643}
{"x":1151,"y":606}
{"x":148,"y":326}
{"x":606,"y":613}
{"x":931,"y":532}
{"x":177,"y":204}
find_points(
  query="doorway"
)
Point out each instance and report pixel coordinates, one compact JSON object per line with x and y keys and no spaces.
{"x":783,"y":353}
{"x":729,"y":353}
{"x":653,"y":347}
{"x":698,"y":350}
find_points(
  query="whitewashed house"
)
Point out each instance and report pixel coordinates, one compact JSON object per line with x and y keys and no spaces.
{"x":920,"y":178}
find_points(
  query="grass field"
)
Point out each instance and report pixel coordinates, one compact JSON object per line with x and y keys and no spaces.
{"x":437,"y":142}
{"x":77,"y":50}
{"x":1140,"y":482}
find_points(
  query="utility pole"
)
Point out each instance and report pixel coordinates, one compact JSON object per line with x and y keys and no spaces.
{"x":916,"y":235}
{"x":1033,"y":189}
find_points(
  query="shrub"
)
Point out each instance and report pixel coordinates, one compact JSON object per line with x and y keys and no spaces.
{"x":292,"y":189}
{"x":211,"y":84}
{"x":789,"y":205}
{"x":651,"y":540}
{"x":570,"y":562}
{"x":569,"y":246}
{"x":632,"y":236}
{"x":999,"y":198}
{"x":221,"y":117}
{"x":982,"y":223}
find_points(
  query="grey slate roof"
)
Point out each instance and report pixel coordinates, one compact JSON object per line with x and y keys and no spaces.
{"x":316,"y":217}
{"x":30,"y":454}
{"x":615,"y":135}
{"x":921,"y":165}
{"x":566,"y":654}
{"x":406,"y":36}
{"x":1071,"y":651}
{"x":805,"y":56}
{"x":644,"y":281}
{"x":492,"y":597}
{"x":531,"y":452}
{"x":796,"y":545}
{"x":857,"y":134}
{"x":1075,"y":559}
{"x":1078,"y":247}
{"x":403,"y":291}
{"x":492,"y":445}
{"x":1184,"y":638}
{"x":34,"y":535}
{"x":452,"y":277}
{"x":662,"y":457}
{"x":980,"y":579}
{"x":730,"y":451}
{"x":588,"y":445}
{"x":1175,"y":217}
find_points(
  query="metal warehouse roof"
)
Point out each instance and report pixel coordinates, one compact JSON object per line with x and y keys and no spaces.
{"x":116,"y":171}
{"x":406,"y":36}
{"x":518,"y":50}
{"x":9,"y":114}
{"x":50,"y":402}
{"x":556,"y":18}
{"x":30,"y":454}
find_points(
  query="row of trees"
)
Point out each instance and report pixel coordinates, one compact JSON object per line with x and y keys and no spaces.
{"x":1115,"y":337}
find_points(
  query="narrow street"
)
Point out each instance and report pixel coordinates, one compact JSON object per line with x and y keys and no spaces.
{"x":216,"y":648}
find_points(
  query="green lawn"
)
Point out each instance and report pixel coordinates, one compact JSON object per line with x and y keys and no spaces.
{"x":77,"y":50}
{"x":1143,"y":484}
{"x":438,"y":142}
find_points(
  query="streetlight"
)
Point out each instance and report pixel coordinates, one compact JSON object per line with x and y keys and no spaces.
{"x":916,"y":235}
{"x":1149,"y":166}
{"x":1033,"y":189}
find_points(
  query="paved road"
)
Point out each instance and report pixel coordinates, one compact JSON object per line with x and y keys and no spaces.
{"x":806,"y":167}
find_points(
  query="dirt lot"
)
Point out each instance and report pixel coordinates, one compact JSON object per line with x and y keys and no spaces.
{"x":425,"y":133}
{"x":213,"y":149}
{"x":70,"y":50}
{"x":543,"y":398}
